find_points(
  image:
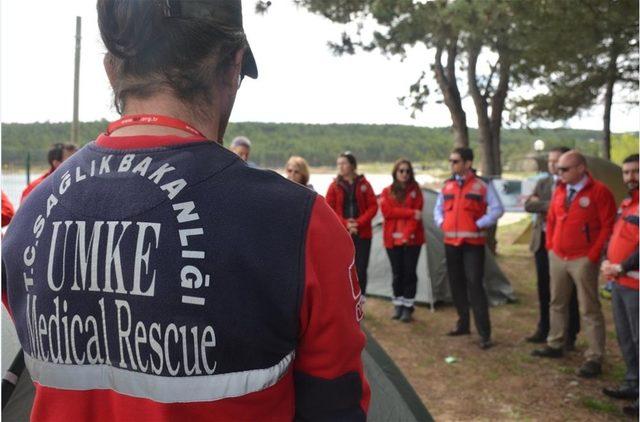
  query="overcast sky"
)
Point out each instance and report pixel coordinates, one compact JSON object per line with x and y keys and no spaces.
{"x":300,"y":80}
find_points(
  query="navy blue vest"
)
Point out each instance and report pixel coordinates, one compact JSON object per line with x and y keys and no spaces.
{"x":173,"y":262}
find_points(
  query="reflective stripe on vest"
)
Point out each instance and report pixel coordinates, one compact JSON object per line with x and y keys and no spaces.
{"x":472,"y":235}
{"x":633,"y":274}
{"x":161,"y":389}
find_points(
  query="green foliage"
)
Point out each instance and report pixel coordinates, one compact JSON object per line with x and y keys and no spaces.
{"x":623,"y":145}
{"x":319,"y":144}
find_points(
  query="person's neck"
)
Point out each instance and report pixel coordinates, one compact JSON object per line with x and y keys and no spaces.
{"x":350,"y":177}
{"x":167,"y":105}
{"x":464,"y":175}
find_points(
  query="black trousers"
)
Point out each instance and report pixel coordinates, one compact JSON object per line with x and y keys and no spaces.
{"x":404,"y":260}
{"x":544,"y":296}
{"x":465,"y":265}
{"x":363,"y":249}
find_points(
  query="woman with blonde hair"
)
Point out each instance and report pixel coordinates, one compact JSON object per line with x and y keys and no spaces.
{"x":297,"y":171}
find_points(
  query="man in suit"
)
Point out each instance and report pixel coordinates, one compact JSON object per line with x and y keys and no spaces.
{"x":538,"y":203}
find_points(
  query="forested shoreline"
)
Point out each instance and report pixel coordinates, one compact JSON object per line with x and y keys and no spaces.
{"x":273,"y":143}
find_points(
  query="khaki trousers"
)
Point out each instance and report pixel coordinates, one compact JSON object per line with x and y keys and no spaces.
{"x":584,"y":274}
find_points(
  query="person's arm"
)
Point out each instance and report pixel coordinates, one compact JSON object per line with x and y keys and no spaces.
{"x":606,"y":207}
{"x":494,"y":209}
{"x":365,"y":217}
{"x":438,"y":210}
{"x":412,"y":224}
{"x":551,"y":223}
{"x":332,"y":201}
{"x":328,"y":372}
{"x":390,"y":211}
{"x":7,"y":210}
{"x":535,"y":203}
{"x":631,"y":262}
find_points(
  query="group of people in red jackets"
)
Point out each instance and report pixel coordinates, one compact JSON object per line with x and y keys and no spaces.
{"x":354,"y":201}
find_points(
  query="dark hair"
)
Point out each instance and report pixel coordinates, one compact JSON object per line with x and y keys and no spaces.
{"x":397,"y":189}
{"x":148,"y":50}
{"x":465,"y":153}
{"x":633,"y":158}
{"x":561,"y":149}
{"x":350,"y":158}
{"x":56,"y":151}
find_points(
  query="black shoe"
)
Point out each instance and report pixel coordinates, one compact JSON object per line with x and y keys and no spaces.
{"x":537,"y":337}
{"x":458,"y":331}
{"x":485,"y":344}
{"x":397,"y":312}
{"x":623,"y":392}
{"x":590,"y":369}
{"x":406,"y":314}
{"x":548,"y":352}
{"x":631,"y":410}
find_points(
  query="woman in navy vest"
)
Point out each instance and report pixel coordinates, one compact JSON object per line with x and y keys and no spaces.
{"x":175,"y":283}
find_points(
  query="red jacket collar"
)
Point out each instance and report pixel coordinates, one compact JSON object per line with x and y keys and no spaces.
{"x":144,"y":141}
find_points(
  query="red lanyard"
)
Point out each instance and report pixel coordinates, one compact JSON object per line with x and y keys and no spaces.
{"x":153,"y":119}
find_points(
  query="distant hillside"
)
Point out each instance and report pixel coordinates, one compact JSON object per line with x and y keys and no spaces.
{"x":319,"y":144}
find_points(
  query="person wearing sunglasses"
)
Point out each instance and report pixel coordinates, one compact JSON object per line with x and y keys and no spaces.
{"x":465,"y":208}
{"x":57,"y":154}
{"x":156,"y":277}
{"x":352,"y":198}
{"x":538,"y":203}
{"x":401,"y":205}
{"x":579,"y":222}
{"x":621,"y":266}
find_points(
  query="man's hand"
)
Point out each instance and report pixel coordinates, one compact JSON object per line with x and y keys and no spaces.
{"x":610,"y":270}
{"x":534,"y":198}
{"x":417,"y":215}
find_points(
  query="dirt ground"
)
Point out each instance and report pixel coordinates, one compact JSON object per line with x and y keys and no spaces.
{"x":504,"y":382}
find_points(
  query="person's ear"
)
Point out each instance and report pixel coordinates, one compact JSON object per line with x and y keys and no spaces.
{"x":110,"y":69}
{"x":236,"y":69}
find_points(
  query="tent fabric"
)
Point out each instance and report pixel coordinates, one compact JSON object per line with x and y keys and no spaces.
{"x":392,"y":397}
{"x":433,"y":281}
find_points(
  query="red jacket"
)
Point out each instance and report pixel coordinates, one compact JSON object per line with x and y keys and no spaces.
{"x":400,"y":225}
{"x":624,"y":241}
{"x":31,"y":186}
{"x":366,"y":200}
{"x":7,"y":210}
{"x":463,"y":206}
{"x":583,"y":228}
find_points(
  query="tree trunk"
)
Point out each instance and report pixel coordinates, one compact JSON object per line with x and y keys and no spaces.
{"x":612,"y":76}
{"x":446,"y":78}
{"x":480,"y":102}
{"x":497,"y":107}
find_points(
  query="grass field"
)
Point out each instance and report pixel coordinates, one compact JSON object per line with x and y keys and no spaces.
{"x":505,"y":382}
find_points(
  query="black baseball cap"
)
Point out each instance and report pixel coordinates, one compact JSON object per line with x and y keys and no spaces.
{"x":226,"y":13}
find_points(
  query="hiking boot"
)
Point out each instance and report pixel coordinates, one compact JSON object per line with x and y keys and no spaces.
{"x":459,"y":331}
{"x":631,"y":410}
{"x":537,"y":337}
{"x":485,"y":344}
{"x":590,"y":369}
{"x":406,"y":314}
{"x":623,"y":392}
{"x":397,"y":312}
{"x":548,"y":352}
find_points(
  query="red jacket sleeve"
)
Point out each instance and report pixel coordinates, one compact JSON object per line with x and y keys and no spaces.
{"x":607,"y":215}
{"x":389,"y":210}
{"x":332,"y":201}
{"x":7,"y":210}
{"x":412,"y":224}
{"x":328,"y":371}
{"x":551,"y":222}
{"x":372,"y":208}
